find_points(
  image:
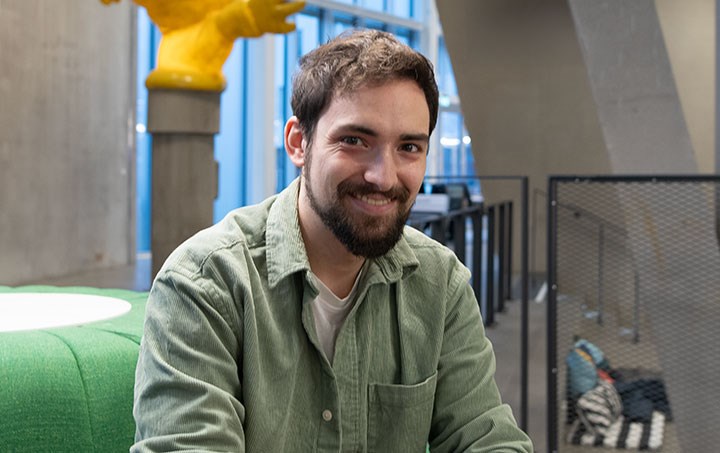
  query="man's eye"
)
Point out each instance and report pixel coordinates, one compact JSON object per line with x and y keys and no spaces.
{"x":354,"y":141}
{"x":410,"y":148}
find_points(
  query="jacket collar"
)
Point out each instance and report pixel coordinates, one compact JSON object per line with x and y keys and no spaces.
{"x":286,"y":252}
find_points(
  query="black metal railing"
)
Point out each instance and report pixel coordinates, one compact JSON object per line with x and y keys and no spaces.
{"x":491,"y":229}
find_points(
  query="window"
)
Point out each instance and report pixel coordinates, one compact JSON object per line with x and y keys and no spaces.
{"x":310,"y":26}
{"x":148,"y":40}
{"x":254,"y":107}
{"x":377,"y":5}
{"x":455,"y":142}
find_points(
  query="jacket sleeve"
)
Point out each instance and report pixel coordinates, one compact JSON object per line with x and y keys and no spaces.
{"x":187,"y":386}
{"x":469,"y":414}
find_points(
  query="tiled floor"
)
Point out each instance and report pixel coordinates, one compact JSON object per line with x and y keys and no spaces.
{"x":505,"y":335}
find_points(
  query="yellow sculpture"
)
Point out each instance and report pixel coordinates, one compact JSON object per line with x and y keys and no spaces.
{"x":198,"y":36}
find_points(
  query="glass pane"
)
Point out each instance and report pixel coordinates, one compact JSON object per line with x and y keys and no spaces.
{"x":417,"y":9}
{"x":281,"y":89}
{"x":376,"y":5}
{"x":450,"y":142}
{"x":229,"y":142}
{"x":468,"y":162}
{"x":376,"y":25}
{"x":405,"y":36}
{"x":308,"y":31}
{"x":340,"y":26}
{"x":402,"y":8}
{"x":445,"y":75}
{"x":148,"y":37}
{"x":289,"y":49}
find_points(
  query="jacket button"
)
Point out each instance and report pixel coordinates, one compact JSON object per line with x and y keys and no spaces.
{"x":327,"y":415}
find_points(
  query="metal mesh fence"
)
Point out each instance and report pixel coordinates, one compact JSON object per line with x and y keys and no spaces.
{"x":634,"y":314}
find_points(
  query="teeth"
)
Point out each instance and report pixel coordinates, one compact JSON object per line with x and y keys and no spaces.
{"x":374,"y":201}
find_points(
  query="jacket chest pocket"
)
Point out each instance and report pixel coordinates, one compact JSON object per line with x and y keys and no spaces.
{"x":399,"y":416}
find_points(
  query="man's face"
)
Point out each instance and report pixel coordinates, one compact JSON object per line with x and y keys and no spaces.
{"x":366,"y":164}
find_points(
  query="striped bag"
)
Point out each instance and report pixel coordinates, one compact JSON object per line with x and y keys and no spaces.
{"x":599,"y":408}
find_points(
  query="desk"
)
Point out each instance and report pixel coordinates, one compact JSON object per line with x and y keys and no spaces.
{"x":71,"y":388}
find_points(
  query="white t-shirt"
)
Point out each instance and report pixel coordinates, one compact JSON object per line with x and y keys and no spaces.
{"x":330,"y":312}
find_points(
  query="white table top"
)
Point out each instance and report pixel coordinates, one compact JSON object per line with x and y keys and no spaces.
{"x":32,"y":311}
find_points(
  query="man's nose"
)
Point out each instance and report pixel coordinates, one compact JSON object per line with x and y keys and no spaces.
{"x":381,"y":170}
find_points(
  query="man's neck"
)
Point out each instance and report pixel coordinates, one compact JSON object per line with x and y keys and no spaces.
{"x":329,"y":259}
{"x":337,"y":272}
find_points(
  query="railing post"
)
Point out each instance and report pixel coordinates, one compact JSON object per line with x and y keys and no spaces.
{"x":636,"y":310}
{"x":438,"y":230}
{"x":490,"y":267}
{"x":601,"y":272}
{"x":501,"y":259}
{"x":477,"y":220}
{"x":525,"y":293}
{"x":509,"y":254}
{"x":552,"y":370}
{"x":458,"y":224}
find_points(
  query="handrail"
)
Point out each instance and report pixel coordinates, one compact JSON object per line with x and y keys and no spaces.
{"x":602,"y":224}
{"x":575,"y":208}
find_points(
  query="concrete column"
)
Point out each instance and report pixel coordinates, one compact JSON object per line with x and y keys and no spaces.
{"x":633,"y":86}
{"x":67,"y":149}
{"x":184,"y":171}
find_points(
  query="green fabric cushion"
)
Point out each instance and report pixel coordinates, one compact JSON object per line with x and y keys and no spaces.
{"x":71,"y":388}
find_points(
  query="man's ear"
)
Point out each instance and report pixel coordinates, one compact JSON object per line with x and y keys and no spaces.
{"x":295,"y":142}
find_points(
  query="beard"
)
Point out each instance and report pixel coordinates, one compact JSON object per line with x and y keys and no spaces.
{"x":366,"y":236}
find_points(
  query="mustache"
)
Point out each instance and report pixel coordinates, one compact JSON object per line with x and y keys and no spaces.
{"x":399,"y":193}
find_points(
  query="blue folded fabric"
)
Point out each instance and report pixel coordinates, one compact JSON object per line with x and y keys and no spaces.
{"x":643,"y":396}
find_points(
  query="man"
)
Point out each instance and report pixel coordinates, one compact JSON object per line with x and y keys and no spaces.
{"x":315,"y":321}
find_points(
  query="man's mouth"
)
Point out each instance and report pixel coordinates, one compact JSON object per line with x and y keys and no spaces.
{"x":374,"y":201}
{"x":370,"y":196}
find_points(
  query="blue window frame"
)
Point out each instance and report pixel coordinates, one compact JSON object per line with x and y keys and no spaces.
{"x":147,"y":44}
{"x":232,"y":164}
{"x":376,"y":5}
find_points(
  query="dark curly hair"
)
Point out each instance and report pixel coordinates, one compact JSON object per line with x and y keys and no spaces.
{"x":356,"y":59}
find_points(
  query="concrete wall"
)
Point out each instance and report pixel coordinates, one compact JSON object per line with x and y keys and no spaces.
{"x":689,"y":31}
{"x":66,"y":137}
{"x":525,"y":95}
{"x":530,"y":93}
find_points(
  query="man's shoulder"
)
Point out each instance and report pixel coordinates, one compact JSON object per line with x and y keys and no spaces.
{"x":224,"y":242}
{"x":424,"y":246}
{"x":433,"y":257}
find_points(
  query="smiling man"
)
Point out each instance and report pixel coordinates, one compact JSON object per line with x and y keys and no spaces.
{"x":316,"y":321}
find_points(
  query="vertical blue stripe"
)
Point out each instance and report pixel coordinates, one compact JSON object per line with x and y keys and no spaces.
{"x":229,"y":142}
{"x":147,"y":42}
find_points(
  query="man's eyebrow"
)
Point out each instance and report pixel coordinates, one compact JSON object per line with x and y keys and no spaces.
{"x":415,"y":137}
{"x":360,"y":129}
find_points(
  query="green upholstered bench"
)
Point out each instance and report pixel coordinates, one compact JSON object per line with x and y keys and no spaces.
{"x":70,"y":389}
